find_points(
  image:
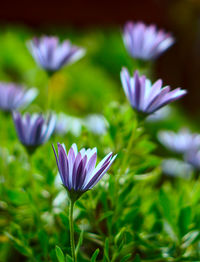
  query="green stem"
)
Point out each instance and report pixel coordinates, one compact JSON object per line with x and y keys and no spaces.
{"x":48,"y":94}
{"x":71,"y":227}
{"x":129,"y":146}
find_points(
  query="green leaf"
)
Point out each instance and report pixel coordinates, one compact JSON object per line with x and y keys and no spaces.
{"x":105,"y":215}
{"x":118,"y":238}
{"x":17,"y":197}
{"x":69,"y":258}
{"x":137,"y":258}
{"x":59,"y":254}
{"x":95,"y":254}
{"x":125,"y":258}
{"x":184,"y":220}
{"x":167,"y":207}
{"x":19,"y":245}
{"x":106,"y":250}
{"x":190,"y":238}
{"x":79,"y":243}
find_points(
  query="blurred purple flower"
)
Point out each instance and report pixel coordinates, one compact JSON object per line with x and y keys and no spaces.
{"x":77,"y":169}
{"x":14,"y":96}
{"x":160,"y":115}
{"x":180,"y":142}
{"x":66,"y":123}
{"x":33,"y":130}
{"x":96,"y":124}
{"x":176,"y":168}
{"x":146,"y":97}
{"x":193,"y":157}
{"x":145,"y":42}
{"x":52,"y":55}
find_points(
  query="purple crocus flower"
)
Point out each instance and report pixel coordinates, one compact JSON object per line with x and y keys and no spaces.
{"x":33,"y":130}
{"x":77,"y":169}
{"x":14,"y":96}
{"x":146,"y":97}
{"x":145,"y":42}
{"x":52,"y":55}
{"x":180,"y":142}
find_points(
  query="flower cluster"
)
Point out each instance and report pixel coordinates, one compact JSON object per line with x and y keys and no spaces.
{"x":78,"y":169}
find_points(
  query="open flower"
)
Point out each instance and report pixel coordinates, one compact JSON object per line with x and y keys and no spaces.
{"x":146,"y":97}
{"x":180,"y":142}
{"x":33,"y":130}
{"x":77,"y":169}
{"x":14,"y":96}
{"x":145,"y":42}
{"x":52,"y":55}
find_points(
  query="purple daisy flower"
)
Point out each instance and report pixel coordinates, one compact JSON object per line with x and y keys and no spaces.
{"x":180,"y":142}
{"x":146,"y":97}
{"x":145,"y":42}
{"x":77,"y":169}
{"x":33,"y":130}
{"x":52,"y":55}
{"x":14,"y":96}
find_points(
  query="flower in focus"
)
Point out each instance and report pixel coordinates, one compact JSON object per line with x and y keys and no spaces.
{"x":145,"y":42}
{"x":33,"y":130}
{"x":52,"y":55}
{"x":146,"y":97}
{"x":77,"y":169}
{"x":180,"y":142}
{"x":14,"y":96}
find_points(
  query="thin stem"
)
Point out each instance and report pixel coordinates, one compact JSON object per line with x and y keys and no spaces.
{"x":71,"y":227}
{"x":48,"y":89}
{"x":129,"y":146}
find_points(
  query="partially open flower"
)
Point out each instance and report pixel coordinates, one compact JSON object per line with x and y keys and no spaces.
{"x":33,"y":130}
{"x":77,"y":169}
{"x":180,"y":142}
{"x":146,"y":97}
{"x":145,"y":42}
{"x":52,"y":55}
{"x":14,"y":96}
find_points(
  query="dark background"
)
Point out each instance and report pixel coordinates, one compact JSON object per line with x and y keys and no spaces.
{"x":179,"y":66}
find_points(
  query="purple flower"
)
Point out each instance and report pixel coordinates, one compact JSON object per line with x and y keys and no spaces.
{"x":146,"y":97}
{"x":52,"y":55}
{"x":176,"y":168}
{"x":33,"y":130}
{"x":180,"y":142}
{"x":145,"y":42}
{"x":77,"y":169}
{"x":193,"y":157}
{"x":14,"y":96}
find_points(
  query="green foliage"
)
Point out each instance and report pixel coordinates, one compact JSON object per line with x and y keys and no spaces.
{"x":133,"y":213}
